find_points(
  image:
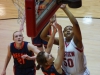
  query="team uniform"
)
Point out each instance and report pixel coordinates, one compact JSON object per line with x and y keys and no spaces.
{"x":51,"y":71}
{"x":37,"y":41}
{"x":22,"y":66}
{"x":74,"y":60}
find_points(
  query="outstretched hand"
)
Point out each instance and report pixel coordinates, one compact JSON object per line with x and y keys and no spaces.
{"x":53,"y":18}
{"x":63,"y":6}
{"x":28,"y":57}
{"x":58,"y":26}
{"x":25,"y":56}
{"x":54,"y":27}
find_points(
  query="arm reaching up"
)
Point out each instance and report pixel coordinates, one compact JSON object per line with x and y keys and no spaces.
{"x":60,"y":55}
{"x":51,"y":40}
{"x":44,"y":33}
{"x":76,"y":29}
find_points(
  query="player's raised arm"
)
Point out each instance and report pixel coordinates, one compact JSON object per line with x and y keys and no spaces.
{"x":60,"y":55}
{"x":76,"y":29}
{"x":51,"y":40}
{"x":46,"y":37}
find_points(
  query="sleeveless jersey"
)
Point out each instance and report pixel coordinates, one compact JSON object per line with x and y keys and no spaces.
{"x":17,"y":53}
{"x":74,"y":59}
{"x":42,"y":6}
{"x":51,"y":71}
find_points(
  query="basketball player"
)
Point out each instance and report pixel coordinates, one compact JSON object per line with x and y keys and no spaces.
{"x":46,"y":60}
{"x":17,"y":49}
{"x":37,"y":41}
{"x":74,"y":62}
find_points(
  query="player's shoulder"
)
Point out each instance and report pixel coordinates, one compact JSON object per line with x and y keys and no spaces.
{"x":10,"y":44}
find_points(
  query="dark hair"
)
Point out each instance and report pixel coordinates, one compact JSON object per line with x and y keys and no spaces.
{"x":67,"y":26}
{"x":41,"y":59}
{"x":38,"y":67}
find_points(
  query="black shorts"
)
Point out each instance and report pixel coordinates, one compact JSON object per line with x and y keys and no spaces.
{"x":25,"y":71}
{"x":37,"y":41}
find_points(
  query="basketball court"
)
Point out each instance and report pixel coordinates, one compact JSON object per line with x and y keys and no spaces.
{"x":88,"y":17}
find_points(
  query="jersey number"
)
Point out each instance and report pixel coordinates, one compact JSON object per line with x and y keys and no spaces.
{"x":21,"y":61}
{"x":68,"y":62}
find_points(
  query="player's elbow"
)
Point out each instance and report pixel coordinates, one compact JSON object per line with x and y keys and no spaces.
{"x":42,"y":37}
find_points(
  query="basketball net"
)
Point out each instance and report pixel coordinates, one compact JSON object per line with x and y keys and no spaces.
{"x":35,"y":13}
{"x":20,"y":5}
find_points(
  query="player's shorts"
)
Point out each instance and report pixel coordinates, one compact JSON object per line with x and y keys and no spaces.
{"x":25,"y":71}
{"x":37,"y":41}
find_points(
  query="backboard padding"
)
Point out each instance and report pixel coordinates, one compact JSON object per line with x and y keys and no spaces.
{"x":33,"y":25}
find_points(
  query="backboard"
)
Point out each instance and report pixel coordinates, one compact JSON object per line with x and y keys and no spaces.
{"x":30,"y":13}
{"x":35,"y":24}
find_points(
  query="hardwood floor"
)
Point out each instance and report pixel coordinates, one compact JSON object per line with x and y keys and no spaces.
{"x":89,"y":8}
{"x":90,"y":27}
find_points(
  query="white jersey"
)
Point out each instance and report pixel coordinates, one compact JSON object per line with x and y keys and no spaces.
{"x":74,"y":59}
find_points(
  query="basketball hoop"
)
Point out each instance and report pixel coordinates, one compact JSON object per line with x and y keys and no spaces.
{"x":20,"y":5}
{"x":28,"y":13}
